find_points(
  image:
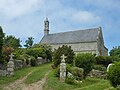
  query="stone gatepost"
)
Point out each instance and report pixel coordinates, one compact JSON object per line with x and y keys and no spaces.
{"x":63,"y":69}
{"x":10,"y":66}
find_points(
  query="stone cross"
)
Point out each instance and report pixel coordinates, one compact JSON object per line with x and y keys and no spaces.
{"x":11,"y":56}
{"x":63,"y":58}
{"x":10,"y":66}
{"x":63,"y":68}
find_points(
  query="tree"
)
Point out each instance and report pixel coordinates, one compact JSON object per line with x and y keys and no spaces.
{"x":1,"y":41}
{"x":115,"y":51}
{"x":85,"y":61}
{"x":12,"y":41}
{"x":67,"y":51}
{"x":29,"y":42}
{"x":114,"y":74}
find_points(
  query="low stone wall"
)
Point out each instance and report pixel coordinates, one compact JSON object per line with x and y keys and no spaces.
{"x":40,"y":60}
{"x":3,"y":72}
{"x":97,"y":74}
{"x":18,"y":64}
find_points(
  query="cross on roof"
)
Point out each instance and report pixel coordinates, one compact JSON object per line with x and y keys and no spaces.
{"x":11,"y":56}
{"x":63,"y":57}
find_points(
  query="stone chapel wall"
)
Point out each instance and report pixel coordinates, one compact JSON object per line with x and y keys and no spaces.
{"x":89,"y":47}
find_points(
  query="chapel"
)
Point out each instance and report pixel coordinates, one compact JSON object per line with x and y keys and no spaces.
{"x":81,"y":41}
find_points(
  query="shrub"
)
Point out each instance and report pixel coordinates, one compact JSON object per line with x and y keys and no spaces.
{"x":77,"y":72}
{"x":67,"y":51}
{"x":57,"y":71}
{"x":33,"y":62}
{"x":114,"y":74}
{"x":100,"y":67}
{"x":27,"y":61}
{"x":70,"y":80}
{"x":46,"y":48}
{"x":105,"y":60}
{"x":85,"y":61}
{"x":36,"y":52}
{"x":18,"y":52}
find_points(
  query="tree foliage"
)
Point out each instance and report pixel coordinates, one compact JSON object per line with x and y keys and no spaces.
{"x":1,"y":40}
{"x":85,"y":61}
{"x":12,"y":41}
{"x":115,"y":51}
{"x":35,"y":51}
{"x":67,"y":51}
{"x":1,"y":46}
{"x":29,"y":42}
{"x":114,"y":74}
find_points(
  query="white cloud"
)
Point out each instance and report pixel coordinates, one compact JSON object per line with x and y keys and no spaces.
{"x":85,"y":17}
{"x":15,"y":8}
{"x":105,"y":4}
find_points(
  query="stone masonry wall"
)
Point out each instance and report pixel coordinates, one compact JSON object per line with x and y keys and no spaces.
{"x":80,"y":47}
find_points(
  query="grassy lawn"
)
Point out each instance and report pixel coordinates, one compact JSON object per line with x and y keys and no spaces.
{"x":53,"y":83}
{"x":38,"y":74}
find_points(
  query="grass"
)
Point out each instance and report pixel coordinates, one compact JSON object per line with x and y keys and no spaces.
{"x":23,"y":72}
{"x":18,"y":74}
{"x":38,"y":74}
{"x":54,"y":83}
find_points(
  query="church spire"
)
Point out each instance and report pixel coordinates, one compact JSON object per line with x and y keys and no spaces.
{"x":46,"y":27}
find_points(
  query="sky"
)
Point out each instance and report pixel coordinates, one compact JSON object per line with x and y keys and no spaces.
{"x":25,"y":18}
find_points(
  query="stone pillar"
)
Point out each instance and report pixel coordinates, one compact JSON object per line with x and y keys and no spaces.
{"x":10,"y":66}
{"x":63,"y":69}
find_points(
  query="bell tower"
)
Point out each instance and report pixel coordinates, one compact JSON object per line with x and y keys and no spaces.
{"x":46,"y":27}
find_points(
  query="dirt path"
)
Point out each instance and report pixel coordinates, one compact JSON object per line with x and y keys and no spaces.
{"x":20,"y":85}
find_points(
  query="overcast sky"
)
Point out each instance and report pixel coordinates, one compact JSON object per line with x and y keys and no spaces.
{"x":24,"y":18}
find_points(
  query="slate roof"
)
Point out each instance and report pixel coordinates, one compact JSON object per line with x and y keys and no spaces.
{"x":87,"y":35}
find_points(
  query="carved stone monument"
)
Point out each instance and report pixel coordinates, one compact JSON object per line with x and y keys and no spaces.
{"x":10,"y":66}
{"x":63,"y":69}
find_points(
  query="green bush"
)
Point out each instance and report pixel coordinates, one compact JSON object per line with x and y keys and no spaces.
{"x":70,"y":80}
{"x":27,"y":61}
{"x":36,"y":52}
{"x":47,"y":50}
{"x":57,"y":71}
{"x":118,"y":87}
{"x":67,"y":51}
{"x":100,"y":67}
{"x":104,"y":60}
{"x":33,"y":62}
{"x":18,"y":52}
{"x":114,"y":74}
{"x":85,"y":61}
{"x":77,"y":73}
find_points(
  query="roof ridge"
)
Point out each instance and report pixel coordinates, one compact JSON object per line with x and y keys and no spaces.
{"x":73,"y":31}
